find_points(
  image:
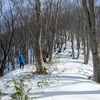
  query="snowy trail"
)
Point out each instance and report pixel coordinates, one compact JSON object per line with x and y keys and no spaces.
{"x":68,"y":81}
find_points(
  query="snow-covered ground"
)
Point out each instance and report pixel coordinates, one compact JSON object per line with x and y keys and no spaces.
{"x":68,"y":80}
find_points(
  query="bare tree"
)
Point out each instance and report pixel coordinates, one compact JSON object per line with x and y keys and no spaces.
{"x":6,"y":38}
{"x":47,"y":9}
{"x":37,"y":42}
{"x":55,"y":28}
{"x":89,"y":10}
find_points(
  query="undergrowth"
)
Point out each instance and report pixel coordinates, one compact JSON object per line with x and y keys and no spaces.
{"x":22,"y":90}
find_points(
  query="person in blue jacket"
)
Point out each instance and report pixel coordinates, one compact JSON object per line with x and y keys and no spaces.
{"x":21,"y":61}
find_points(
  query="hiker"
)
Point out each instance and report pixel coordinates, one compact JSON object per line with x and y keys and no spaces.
{"x":21,"y":61}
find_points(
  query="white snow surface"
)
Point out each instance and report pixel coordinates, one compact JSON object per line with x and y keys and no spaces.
{"x":68,"y":80}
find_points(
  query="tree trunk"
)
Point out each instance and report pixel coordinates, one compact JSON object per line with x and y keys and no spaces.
{"x":86,"y":45}
{"x":78,"y":46}
{"x":2,"y":68}
{"x":72,"y":46}
{"x":37,"y":42}
{"x":1,"y":71}
{"x":38,"y":59}
{"x":91,"y":24}
{"x":55,"y":29}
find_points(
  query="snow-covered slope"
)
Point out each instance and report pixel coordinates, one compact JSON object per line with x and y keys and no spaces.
{"x":68,"y":81}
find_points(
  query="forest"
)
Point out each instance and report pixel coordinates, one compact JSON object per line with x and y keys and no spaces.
{"x":38,"y":28}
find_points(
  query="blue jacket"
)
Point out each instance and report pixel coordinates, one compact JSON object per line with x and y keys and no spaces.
{"x":21,"y":59}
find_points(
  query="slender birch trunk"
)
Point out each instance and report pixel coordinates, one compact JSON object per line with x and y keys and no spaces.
{"x":37,"y":43}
